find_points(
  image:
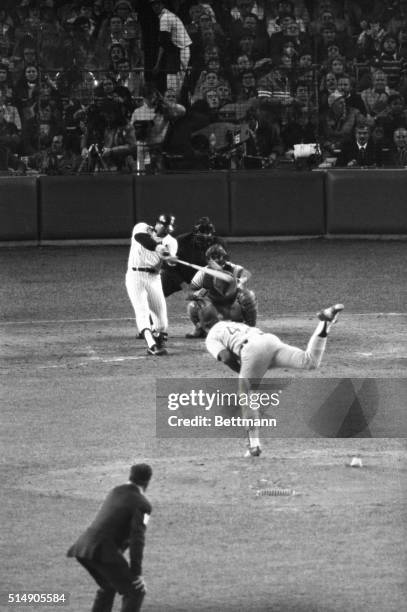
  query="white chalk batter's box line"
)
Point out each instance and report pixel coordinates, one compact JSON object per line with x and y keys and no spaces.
{"x":262,"y":321}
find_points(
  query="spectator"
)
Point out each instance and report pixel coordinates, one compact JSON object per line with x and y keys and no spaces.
{"x":246,"y":87}
{"x":376,"y":98}
{"x":27,"y":92}
{"x":352,"y":99}
{"x":398,"y":152}
{"x":174,"y":48}
{"x":394,"y":116}
{"x":10,"y":138}
{"x":338,"y":123}
{"x":360,"y":151}
{"x":368,"y":44}
{"x":264,"y":145}
{"x":327,"y":86}
{"x":56,"y":160}
{"x":391,"y":62}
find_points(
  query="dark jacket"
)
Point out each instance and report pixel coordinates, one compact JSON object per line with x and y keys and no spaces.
{"x":350,"y":151}
{"x":119,"y":524}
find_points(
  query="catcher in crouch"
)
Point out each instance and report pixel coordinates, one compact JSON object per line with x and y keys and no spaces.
{"x":232,"y":300}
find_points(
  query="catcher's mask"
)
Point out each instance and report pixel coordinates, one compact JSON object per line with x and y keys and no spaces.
{"x":168,"y":221}
{"x":217,"y":255}
{"x":203,"y":232}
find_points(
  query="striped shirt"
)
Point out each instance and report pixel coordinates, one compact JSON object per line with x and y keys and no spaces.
{"x":140,"y":257}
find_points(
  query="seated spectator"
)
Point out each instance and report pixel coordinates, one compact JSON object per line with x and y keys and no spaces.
{"x":130,"y":78}
{"x":302,"y":129}
{"x":6,"y":33}
{"x":11,"y":113}
{"x":207,"y":80}
{"x":397,"y":157}
{"x":338,"y":123}
{"x":327,"y":38}
{"x":306,"y":72}
{"x":376,"y":98}
{"x":27,"y":92}
{"x":328,"y":85}
{"x":10,"y":138}
{"x":368,"y":43}
{"x":38,"y":131}
{"x":246,"y":87}
{"x":108,"y":89}
{"x":55,"y":160}
{"x":394,"y":116}
{"x":346,"y":87}
{"x":111,"y":32}
{"x":264,"y":145}
{"x":6,"y":85}
{"x":24,"y":54}
{"x":360,"y":151}
{"x":391,"y":62}
{"x":275,"y":16}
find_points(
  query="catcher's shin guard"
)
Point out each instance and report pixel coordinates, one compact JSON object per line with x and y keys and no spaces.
{"x":248,"y":304}
{"x":194,"y":309}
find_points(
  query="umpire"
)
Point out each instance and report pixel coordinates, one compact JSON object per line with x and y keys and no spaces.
{"x":191,"y":248}
{"x":119,"y":524}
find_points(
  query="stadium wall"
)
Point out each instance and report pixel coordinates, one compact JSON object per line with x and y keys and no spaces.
{"x":241,"y":204}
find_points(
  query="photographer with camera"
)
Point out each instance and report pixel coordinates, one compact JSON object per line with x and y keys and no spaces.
{"x":151,"y":121}
{"x":108,"y":142}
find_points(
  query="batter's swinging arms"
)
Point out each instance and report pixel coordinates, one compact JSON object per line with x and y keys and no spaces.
{"x":150,"y":247}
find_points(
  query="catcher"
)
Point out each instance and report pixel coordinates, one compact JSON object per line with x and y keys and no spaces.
{"x":192,"y":247}
{"x":232,"y":300}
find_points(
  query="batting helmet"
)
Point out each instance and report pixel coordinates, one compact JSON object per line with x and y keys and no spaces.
{"x":167,"y":220}
{"x":217,"y":253}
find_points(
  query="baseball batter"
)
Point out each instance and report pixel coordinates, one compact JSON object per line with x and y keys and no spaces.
{"x":251,"y":352}
{"x":150,"y":247}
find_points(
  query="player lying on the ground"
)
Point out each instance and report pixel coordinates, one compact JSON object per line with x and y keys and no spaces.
{"x":191,"y":248}
{"x":231,"y":299}
{"x":150,"y":247}
{"x":251,"y":352}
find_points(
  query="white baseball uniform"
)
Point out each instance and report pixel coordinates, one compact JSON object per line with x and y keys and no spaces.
{"x":259,"y":351}
{"x":143,"y":280}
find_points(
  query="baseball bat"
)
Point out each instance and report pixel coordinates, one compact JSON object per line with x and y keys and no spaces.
{"x":215,"y":273}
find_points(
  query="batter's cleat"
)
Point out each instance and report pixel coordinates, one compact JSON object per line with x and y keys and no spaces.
{"x":253,"y":451}
{"x":197,"y":333}
{"x":330,"y":314}
{"x":161,"y":339}
{"x":156,"y":351}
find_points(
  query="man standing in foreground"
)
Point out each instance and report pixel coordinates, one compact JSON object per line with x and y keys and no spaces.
{"x":119,"y":524}
{"x":150,"y":247}
{"x":251,"y":352}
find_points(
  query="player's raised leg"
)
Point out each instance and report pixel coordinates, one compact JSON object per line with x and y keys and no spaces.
{"x":292,"y":357}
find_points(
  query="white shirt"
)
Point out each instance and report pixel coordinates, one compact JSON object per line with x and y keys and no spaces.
{"x":140,"y":257}
{"x":169,"y":22}
{"x":229,"y":335}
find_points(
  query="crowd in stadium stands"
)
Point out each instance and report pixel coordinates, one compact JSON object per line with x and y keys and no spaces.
{"x":147,"y":86}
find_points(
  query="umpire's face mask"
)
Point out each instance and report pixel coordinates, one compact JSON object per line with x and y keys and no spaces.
{"x":202,"y":240}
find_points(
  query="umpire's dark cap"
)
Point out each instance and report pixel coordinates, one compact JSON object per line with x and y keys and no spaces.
{"x":140,"y":473}
{"x":168,"y":221}
{"x":204,"y":226}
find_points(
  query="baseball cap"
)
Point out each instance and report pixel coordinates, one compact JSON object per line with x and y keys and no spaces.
{"x":167,"y":220}
{"x":140,"y":473}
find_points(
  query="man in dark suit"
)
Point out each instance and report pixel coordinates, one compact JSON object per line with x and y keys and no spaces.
{"x":361,"y":151}
{"x":397,"y":156}
{"x":119,"y":524}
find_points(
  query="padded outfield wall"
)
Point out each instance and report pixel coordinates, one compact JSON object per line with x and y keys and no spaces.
{"x":241,"y":204}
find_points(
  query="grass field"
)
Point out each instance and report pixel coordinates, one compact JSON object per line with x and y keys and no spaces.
{"x":78,"y":407}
